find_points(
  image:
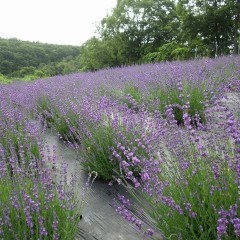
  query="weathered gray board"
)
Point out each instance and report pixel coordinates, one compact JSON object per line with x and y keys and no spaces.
{"x":100,"y":220}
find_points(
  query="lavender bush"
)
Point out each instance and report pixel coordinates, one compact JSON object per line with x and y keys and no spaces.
{"x":36,"y":208}
{"x":117,"y":128}
{"x":36,"y":201}
{"x":192,"y":193}
{"x":176,"y":97}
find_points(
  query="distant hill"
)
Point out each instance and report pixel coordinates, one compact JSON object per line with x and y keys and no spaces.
{"x":16,"y":55}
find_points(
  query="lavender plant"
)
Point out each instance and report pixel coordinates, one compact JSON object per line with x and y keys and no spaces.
{"x":37,"y":207}
{"x":45,"y":110}
{"x":97,"y":153}
{"x":36,"y":202}
{"x":117,"y":136}
{"x":18,"y":137}
{"x":132,"y":96}
{"x":192,"y":192}
{"x":176,"y":96}
{"x":66,"y":125}
{"x":64,"y":121}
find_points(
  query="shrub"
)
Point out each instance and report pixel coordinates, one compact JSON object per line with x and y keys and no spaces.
{"x":36,"y":202}
{"x":66,"y":123}
{"x":20,"y":144}
{"x":97,"y":152}
{"x":44,"y":108}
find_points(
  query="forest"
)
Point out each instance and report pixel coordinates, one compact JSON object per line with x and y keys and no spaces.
{"x":135,"y":32}
{"x":31,"y":60}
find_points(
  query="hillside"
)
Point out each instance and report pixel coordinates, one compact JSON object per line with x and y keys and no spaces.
{"x":20,"y":58}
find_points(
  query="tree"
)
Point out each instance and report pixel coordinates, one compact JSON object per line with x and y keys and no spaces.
{"x":167,"y":52}
{"x":143,"y":24}
{"x":234,"y":7}
{"x":96,"y":54}
{"x":214,"y":23}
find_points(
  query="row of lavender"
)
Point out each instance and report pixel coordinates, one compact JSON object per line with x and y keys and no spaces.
{"x":36,"y":201}
{"x":151,"y":128}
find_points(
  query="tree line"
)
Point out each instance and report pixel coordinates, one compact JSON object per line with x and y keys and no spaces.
{"x":140,"y":31}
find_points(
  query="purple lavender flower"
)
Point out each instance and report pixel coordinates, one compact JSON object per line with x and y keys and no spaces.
{"x":149,"y":232}
{"x":222,"y":227}
{"x":236,"y":225}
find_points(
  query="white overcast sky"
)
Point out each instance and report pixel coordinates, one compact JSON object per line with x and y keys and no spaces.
{"x":52,"y":21}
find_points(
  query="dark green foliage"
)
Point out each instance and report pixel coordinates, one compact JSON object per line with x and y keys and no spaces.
{"x":96,"y":54}
{"x":149,"y":25}
{"x":149,"y":31}
{"x":168,"y":51}
{"x":19,"y":59}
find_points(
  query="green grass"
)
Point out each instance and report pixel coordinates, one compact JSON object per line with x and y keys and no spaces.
{"x":6,"y":80}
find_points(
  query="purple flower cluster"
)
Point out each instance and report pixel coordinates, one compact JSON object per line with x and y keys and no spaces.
{"x":227,"y":217}
{"x":122,"y":205}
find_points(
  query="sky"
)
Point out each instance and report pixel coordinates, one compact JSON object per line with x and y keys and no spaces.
{"x":70,"y":22}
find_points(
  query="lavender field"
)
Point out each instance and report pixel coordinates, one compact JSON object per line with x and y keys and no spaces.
{"x":167,"y":132}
